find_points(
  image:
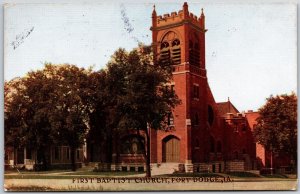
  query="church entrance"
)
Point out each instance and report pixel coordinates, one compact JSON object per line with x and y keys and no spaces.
{"x":171,"y":149}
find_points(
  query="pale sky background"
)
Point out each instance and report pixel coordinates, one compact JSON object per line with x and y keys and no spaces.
{"x":251,"y":49}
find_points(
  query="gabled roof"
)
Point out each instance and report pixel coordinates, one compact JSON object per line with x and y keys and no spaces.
{"x":226,"y":107}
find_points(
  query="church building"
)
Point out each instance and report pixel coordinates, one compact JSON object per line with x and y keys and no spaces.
{"x":204,"y":135}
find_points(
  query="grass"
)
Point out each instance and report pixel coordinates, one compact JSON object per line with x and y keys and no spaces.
{"x":42,"y":188}
{"x":65,"y":175}
{"x":109,"y":174}
{"x":34,"y":172}
{"x":252,"y":175}
{"x":28,"y":176}
{"x":29,"y":188}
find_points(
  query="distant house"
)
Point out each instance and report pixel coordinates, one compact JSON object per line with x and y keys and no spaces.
{"x":59,"y":158}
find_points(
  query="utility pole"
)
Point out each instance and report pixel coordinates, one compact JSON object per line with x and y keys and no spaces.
{"x":271,"y":160}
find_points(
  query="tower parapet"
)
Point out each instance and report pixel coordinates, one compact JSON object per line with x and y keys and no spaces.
{"x":177,"y":17}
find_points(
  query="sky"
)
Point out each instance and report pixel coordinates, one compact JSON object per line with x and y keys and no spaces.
{"x":251,"y":49}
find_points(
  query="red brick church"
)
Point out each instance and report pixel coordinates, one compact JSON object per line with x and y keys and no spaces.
{"x":205,"y":135}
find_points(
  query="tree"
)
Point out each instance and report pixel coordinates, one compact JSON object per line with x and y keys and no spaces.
{"x":61,"y":104}
{"x":142,"y":99}
{"x":26,"y":108}
{"x":71,"y":105}
{"x":100,"y":128}
{"x":51,"y":107}
{"x":276,"y":127}
{"x":12,"y":114}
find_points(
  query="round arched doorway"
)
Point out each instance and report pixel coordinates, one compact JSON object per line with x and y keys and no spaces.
{"x":171,"y":149}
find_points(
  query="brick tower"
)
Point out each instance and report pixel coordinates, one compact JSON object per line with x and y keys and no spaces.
{"x":179,"y":40}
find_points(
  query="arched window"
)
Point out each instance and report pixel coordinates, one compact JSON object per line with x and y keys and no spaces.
{"x":194,"y":50}
{"x":170,"y":50}
{"x":164,"y":45}
{"x":244,"y":128}
{"x":244,"y":151}
{"x":210,"y":115}
{"x":176,"y":53}
{"x":132,"y":144}
{"x":219,"y":147}
{"x":236,"y":155}
{"x":175,"y":42}
{"x":197,"y":143}
{"x":196,"y":119}
{"x":191,"y":44}
{"x":212,"y":144}
{"x":165,"y":53}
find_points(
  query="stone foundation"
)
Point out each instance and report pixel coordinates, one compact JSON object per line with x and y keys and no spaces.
{"x":211,"y":167}
{"x":169,"y":168}
{"x":103,"y":167}
{"x":189,"y":168}
{"x":235,"y":166}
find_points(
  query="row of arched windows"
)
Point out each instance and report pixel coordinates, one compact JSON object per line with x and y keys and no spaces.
{"x":170,"y":54}
{"x":132,"y":144}
{"x":214,"y":146}
{"x":210,"y":116}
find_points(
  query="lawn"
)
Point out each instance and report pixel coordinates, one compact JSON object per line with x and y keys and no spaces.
{"x":65,"y":174}
{"x":252,"y":175}
{"x":14,"y":171}
{"x":31,"y":188}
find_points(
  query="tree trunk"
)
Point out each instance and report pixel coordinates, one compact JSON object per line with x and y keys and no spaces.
{"x":41,"y":155}
{"x":109,"y":145}
{"x":148,"y":167}
{"x":73,"y":159}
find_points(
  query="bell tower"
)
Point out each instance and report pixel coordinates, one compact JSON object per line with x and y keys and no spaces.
{"x":183,"y":30}
{"x":178,"y":40}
